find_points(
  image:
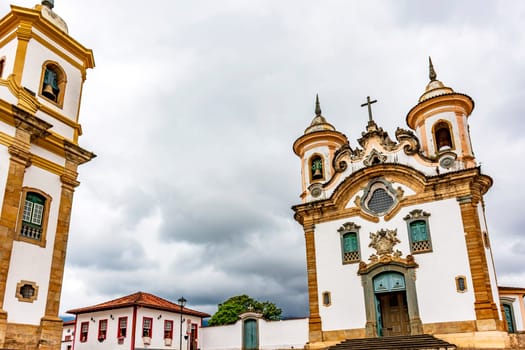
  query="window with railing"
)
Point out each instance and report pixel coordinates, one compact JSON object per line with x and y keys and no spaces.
{"x":418,"y":231}
{"x":350,"y":243}
{"x":33,"y":215}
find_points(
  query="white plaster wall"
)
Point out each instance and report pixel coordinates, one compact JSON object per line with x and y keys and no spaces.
{"x":111,"y":341}
{"x":287,"y":334}
{"x":4,"y":168}
{"x":39,"y":151}
{"x":228,"y":337}
{"x":31,"y":262}
{"x":9,"y":51}
{"x":437,"y":270}
{"x":36,"y":55}
{"x":273,"y":335}
{"x":490,"y":262}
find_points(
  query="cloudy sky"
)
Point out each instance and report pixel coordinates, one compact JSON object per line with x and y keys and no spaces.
{"x":193,"y":107}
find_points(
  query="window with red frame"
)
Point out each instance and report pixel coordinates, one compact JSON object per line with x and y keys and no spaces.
{"x":102,"y":329}
{"x":122,"y":327}
{"x":146,"y":326}
{"x":168,"y":329}
{"x":84,"y":329}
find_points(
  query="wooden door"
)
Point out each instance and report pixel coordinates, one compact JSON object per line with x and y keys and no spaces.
{"x":250,"y":336}
{"x":394,"y":314}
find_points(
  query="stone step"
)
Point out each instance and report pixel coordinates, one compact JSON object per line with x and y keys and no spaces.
{"x":412,"y":342}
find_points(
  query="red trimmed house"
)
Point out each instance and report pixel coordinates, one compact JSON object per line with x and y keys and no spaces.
{"x":137,"y":321}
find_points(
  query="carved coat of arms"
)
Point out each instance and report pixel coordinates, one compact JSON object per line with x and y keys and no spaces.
{"x":383,"y":241}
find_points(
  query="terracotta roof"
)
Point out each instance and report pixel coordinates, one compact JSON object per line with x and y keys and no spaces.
{"x":138,"y":299}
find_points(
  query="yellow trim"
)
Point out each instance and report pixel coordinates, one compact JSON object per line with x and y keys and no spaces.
{"x":23,"y":33}
{"x":8,"y":39}
{"x":34,"y":16}
{"x":47,"y":165}
{"x":54,"y":49}
{"x":5,"y":139}
{"x":60,"y":117}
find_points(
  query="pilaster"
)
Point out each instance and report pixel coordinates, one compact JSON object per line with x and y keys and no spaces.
{"x":484,"y":305}
{"x":314,"y":323}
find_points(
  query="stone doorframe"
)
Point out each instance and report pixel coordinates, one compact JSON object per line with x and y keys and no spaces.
{"x":408,"y":270}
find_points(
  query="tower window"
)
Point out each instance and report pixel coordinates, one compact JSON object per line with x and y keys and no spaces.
{"x":442,"y":136}
{"x":316,"y":168}
{"x":53,"y":83}
{"x":350,"y":243}
{"x":33,"y":216}
{"x":26,"y":291}
{"x":418,"y":231}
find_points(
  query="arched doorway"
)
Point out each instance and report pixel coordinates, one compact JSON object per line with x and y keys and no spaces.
{"x":391,"y":304}
{"x":389,"y":291}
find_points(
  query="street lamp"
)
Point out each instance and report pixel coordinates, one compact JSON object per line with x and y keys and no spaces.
{"x":181,"y":302}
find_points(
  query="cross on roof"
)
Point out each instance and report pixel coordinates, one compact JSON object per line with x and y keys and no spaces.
{"x":369,"y":103}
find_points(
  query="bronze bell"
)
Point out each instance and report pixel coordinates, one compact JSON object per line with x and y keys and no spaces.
{"x":317,"y":173}
{"x":48,"y":92}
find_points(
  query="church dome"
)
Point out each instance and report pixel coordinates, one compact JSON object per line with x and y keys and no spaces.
{"x":46,"y":9}
{"x":319,"y":122}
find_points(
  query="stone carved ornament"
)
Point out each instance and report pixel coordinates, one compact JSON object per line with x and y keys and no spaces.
{"x":383,"y":241}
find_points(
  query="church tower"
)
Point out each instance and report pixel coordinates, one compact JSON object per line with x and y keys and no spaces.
{"x":42,"y":71}
{"x":396,"y":237}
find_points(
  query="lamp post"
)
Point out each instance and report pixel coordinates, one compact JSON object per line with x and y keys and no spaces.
{"x":181,"y":302}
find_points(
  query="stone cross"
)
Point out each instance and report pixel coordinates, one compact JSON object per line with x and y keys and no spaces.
{"x":369,"y":103}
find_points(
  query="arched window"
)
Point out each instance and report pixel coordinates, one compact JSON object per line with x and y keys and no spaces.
{"x":53,"y":83}
{"x":442,"y":136}
{"x":33,"y":216}
{"x":350,"y":243}
{"x":316,"y":168}
{"x":418,"y":231}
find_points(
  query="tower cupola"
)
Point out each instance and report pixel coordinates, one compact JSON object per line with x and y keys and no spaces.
{"x":316,"y":148}
{"x":440,"y":120}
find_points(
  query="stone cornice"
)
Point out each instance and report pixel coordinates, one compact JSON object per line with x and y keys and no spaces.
{"x":428,"y":188}
{"x":36,"y":127}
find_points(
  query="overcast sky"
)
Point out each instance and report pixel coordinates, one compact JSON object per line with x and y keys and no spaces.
{"x":193,"y":107}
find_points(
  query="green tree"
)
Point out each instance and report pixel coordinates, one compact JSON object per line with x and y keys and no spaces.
{"x":230,"y":310}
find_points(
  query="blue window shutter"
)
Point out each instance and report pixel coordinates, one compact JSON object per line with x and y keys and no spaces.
{"x":350,"y":242}
{"x":418,"y":231}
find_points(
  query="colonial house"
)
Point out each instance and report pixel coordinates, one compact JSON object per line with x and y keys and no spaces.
{"x":68,"y":332}
{"x":137,"y":321}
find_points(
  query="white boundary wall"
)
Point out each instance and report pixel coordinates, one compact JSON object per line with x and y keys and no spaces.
{"x":287,"y":334}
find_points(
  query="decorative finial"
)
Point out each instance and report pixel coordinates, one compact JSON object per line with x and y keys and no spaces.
{"x":49,"y":3}
{"x":431,"y":73}
{"x":317,"y":106}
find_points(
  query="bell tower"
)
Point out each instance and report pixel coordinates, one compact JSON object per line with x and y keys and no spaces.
{"x":440,"y":122}
{"x":316,"y":148}
{"x":42,"y":71}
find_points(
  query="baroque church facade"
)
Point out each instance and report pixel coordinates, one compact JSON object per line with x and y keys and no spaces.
{"x":42,"y":72}
{"x":395,"y":230}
